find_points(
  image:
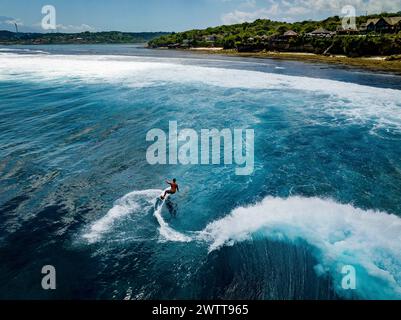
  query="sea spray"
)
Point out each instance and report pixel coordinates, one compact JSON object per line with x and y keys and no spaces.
{"x":339,"y":233}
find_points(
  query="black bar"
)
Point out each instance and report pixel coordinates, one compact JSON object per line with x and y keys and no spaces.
{"x":197,"y":309}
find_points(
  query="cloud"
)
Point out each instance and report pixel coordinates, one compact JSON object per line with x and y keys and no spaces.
{"x":75,"y":28}
{"x":248,"y":4}
{"x":238,"y":16}
{"x":66,"y":28}
{"x":8,"y":23}
{"x":297,"y":10}
{"x":334,"y":6}
{"x":12,"y":22}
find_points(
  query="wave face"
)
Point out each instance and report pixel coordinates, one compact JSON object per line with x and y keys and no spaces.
{"x":72,"y":141}
{"x":341,"y":234}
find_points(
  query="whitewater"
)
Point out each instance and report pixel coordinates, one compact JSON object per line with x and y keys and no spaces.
{"x":359,"y":103}
{"x":339,"y":234}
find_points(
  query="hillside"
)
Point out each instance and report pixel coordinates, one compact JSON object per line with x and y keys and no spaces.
{"x":265,"y":34}
{"x":7,"y":37}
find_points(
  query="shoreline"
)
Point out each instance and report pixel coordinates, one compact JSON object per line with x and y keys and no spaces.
{"x":377,"y":63}
{"x":373,"y":63}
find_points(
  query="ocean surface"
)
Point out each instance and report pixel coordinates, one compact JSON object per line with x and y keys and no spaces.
{"x":77,"y":192}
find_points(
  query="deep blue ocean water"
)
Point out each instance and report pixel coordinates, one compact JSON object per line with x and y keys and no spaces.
{"x":77,"y":192}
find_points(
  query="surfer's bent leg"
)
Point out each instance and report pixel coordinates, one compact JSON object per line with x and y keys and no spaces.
{"x":165,"y":193}
{"x":169,"y":192}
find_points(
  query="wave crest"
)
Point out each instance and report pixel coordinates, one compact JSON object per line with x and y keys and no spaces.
{"x":342,"y":235}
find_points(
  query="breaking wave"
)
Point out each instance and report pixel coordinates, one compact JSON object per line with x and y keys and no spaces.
{"x":339,"y":235}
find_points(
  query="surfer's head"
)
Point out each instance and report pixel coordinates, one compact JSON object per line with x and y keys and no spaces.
{"x":174,"y":180}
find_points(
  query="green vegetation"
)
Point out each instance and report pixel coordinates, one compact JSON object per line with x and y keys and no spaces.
{"x":267,"y":35}
{"x":7,"y":37}
{"x":368,"y":45}
{"x":229,"y":36}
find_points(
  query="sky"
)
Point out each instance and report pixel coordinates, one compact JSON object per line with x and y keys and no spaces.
{"x":173,"y":15}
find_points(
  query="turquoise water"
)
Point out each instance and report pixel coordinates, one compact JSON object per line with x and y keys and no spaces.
{"x":77,"y":192}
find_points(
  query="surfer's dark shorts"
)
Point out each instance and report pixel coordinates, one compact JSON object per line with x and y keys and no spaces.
{"x":170,"y":192}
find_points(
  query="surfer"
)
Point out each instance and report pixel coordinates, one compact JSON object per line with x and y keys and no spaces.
{"x":174,"y":188}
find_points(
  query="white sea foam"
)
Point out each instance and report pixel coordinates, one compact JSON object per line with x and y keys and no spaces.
{"x":133,"y":70}
{"x":25,"y":50}
{"x":166,"y":232}
{"x":356,"y":102}
{"x":136,"y":202}
{"x":340,"y":234}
